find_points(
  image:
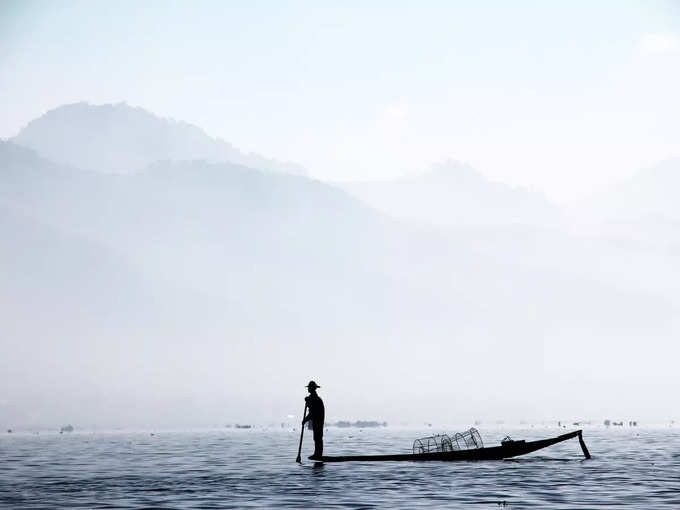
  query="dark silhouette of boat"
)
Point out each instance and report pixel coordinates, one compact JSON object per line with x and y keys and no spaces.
{"x":508,"y":449}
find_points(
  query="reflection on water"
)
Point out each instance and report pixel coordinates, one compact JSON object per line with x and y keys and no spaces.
{"x":634,"y":468}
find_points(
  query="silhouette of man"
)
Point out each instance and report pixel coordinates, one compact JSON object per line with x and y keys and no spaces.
{"x":316,"y":415}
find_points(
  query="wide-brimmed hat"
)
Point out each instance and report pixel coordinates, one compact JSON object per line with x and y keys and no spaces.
{"x":312,"y":384}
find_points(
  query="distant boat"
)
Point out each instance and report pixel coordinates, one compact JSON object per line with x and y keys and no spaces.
{"x":443,"y":448}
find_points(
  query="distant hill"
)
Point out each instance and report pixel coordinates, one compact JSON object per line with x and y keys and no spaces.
{"x":651,"y":194}
{"x":118,"y":138}
{"x":290,"y":245}
{"x":199,"y":280}
{"x":455,"y":194}
{"x":275,"y":240}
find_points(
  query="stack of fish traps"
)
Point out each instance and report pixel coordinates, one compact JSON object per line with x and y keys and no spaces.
{"x":470,"y":439}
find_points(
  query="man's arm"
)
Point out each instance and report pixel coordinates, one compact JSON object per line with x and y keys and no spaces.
{"x":309,"y":412}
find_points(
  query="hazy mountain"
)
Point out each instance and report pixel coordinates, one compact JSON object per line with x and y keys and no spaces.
{"x":641,"y":216}
{"x":216,"y":277}
{"x":652,"y":194}
{"x":87,"y":337}
{"x":454,"y":194}
{"x":196,"y":222}
{"x":117,"y":138}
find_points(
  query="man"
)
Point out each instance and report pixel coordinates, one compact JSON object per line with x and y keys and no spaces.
{"x":316,"y":415}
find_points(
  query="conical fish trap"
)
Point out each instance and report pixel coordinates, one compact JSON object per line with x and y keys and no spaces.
{"x":470,"y":439}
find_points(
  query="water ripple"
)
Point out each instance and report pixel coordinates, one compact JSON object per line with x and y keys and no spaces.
{"x":255,"y":468}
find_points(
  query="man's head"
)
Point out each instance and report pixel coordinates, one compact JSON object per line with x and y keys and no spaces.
{"x":312,"y":386}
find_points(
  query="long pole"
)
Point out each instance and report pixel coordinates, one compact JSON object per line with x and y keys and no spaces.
{"x":586,"y":453}
{"x":302,"y":431}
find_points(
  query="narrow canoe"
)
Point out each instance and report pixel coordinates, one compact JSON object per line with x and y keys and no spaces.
{"x":504,"y":451}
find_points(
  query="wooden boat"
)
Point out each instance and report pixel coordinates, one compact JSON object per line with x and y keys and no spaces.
{"x":506,"y":450}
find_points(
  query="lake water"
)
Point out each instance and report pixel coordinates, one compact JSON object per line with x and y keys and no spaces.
{"x":630,"y":468}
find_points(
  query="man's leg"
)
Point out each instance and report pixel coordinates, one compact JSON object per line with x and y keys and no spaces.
{"x":318,"y":441}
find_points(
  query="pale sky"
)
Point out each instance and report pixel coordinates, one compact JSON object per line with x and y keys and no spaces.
{"x":562,"y":97}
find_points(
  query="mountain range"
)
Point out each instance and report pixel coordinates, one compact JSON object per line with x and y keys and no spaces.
{"x":133,"y":273}
{"x":649,"y":194}
{"x":455,"y":194}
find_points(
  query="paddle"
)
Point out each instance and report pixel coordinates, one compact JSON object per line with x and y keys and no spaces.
{"x":302,"y":431}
